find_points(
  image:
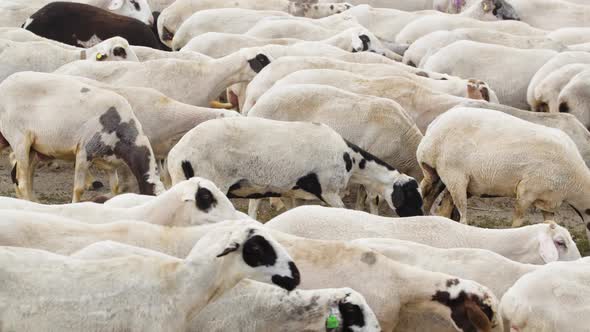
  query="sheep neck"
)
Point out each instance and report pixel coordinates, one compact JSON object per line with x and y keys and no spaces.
{"x":226,"y":71}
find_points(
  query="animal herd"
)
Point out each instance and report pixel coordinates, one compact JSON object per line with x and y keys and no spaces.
{"x":367,"y":124}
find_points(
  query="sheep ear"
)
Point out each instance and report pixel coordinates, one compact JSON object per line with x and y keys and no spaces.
{"x":547,"y":248}
{"x":116,"y":4}
{"x":233,"y":247}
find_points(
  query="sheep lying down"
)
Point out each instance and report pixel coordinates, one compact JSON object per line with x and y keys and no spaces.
{"x":42,"y":291}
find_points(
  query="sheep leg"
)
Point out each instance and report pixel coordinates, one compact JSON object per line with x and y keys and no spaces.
{"x":277,"y":203}
{"x":458,"y":191}
{"x":22,"y":156}
{"x":114,"y":181}
{"x":374,"y":203}
{"x":431,"y":186}
{"x":253,"y":208}
{"x":164,"y":174}
{"x":520,"y":209}
{"x":446,"y":206}
{"x":361,"y":196}
{"x":80,"y":172}
{"x":333,"y":199}
{"x":547,"y":215}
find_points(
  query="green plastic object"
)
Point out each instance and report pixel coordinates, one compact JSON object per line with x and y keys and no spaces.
{"x":332,"y":322}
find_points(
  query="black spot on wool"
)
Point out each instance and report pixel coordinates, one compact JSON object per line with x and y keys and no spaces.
{"x":347,"y":161}
{"x":352,"y":315}
{"x":288,"y":283}
{"x":205,"y":200}
{"x":311,"y":184}
{"x":259,"y":62}
{"x":458,"y":312}
{"x":366,"y":42}
{"x":368,"y":156}
{"x":187,"y":169}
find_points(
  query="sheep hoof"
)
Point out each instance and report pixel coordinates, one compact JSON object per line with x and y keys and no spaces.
{"x":218,"y":104}
{"x":97,"y":185}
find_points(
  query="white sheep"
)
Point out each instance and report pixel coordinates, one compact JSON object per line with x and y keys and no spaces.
{"x":174,"y":15}
{"x":546,"y":92}
{"x":177,"y":78}
{"x":387,"y":23}
{"x":507,"y":70}
{"x":573,"y":98}
{"x":305,"y":29}
{"x":552,"y":298}
{"x":47,"y":57}
{"x":377,"y":125}
{"x":288,"y":65}
{"x":464,"y":304}
{"x":353,"y":40}
{"x":420,"y":50}
{"x":215,"y":20}
{"x":562,"y":121}
{"x":24,"y":35}
{"x":421,"y":103}
{"x":65,"y":236}
{"x":15,"y":13}
{"x":469,"y":263}
{"x":164,"y":293}
{"x":552,"y":14}
{"x":570,"y":36}
{"x":496,"y":154}
{"x":558,"y":61}
{"x":535,"y":244}
{"x":147,"y":53}
{"x":193,"y":202}
{"x":267,"y":308}
{"x":100,"y":128}
{"x":425,"y":25}
{"x":249,"y":167}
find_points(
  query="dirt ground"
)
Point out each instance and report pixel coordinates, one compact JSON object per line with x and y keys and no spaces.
{"x":55,"y":186}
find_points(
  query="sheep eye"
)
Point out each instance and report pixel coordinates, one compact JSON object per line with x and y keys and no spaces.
{"x":561,"y":243}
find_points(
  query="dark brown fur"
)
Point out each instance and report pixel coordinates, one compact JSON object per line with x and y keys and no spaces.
{"x":68,"y":22}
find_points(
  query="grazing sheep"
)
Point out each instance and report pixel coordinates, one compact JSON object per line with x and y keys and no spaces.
{"x":422,"y":104}
{"x":552,"y":298}
{"x":177,"y":78}
{"x":535,"y":244}
{"x":100,"y":128}
{"x":574,"y":97}
{"x":266,"y":308}
{"x":503,"y":156}
{"x":148,"y":53}
{"x":215,"y":20}
{"x":287,"y":65}
{"x":464,"y":59}
{"x":164,"y":293}
{"x":15,"y":13}
{"x":193,"y":202}
{"x":174,"y":15}
{"x":565,"y":122}
{"x":547,"y":91}
{"x":420,"y":50}
{"x":468,"y":263}
{"x":249,"y":167}
{"x":425,"y":25}
{"x":47,"y":57}
{"x":65,"y":236}
{"x":329,"y":264}
{"x":354,"y":40}
{"x":558,"y":61}
{"x":377,"y":125}
{"x":83,"y":25}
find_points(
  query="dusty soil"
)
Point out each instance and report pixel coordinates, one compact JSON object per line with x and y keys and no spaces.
{"x":55,"y":186}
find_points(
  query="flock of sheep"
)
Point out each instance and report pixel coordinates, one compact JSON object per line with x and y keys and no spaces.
{"x":411,"y":106}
